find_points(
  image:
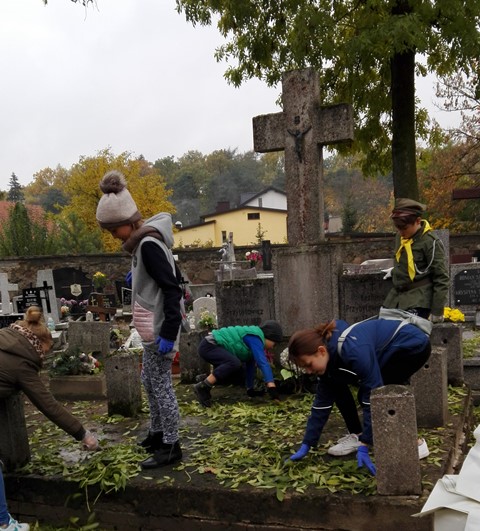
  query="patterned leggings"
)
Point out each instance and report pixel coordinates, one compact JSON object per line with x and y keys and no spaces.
{"x":157,"y":380}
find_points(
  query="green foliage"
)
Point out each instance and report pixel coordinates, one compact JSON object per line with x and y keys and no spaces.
{"x":349,"y":217}
{"x":74,"y":237}
{"x":22,"y":236}
{"x":351,"y":44}
{"x":73,"y":362}
{"x":15,"y":193}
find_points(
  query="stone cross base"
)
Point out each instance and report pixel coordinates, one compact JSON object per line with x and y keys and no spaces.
{"x":14,"y":447}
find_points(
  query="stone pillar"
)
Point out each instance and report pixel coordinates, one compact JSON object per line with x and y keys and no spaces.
{"x":430,"y":388}
{"x":14,"y":447}
{"x":124,"y":393}
{"x":448,"y":336}
{"x":395,"y":441}
{"x":191,"y":364}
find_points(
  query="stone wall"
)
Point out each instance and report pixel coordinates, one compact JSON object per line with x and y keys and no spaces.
{"x":200,"y":264}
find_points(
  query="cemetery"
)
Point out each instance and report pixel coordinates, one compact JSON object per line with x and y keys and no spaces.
{"x":234,"y":473}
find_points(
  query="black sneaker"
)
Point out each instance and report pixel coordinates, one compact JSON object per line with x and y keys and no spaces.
{"x":202,"y":392}
{"x":167,"y":455}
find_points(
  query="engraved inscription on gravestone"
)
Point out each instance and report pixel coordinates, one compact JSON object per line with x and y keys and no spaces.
{"x":466,"y":287}
{"x":31,"y":297}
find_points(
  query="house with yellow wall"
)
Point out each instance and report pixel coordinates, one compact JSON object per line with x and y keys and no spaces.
{"x":262,"y":214}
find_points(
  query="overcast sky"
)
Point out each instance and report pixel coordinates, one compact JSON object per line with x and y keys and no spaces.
{"x":132,"y":75}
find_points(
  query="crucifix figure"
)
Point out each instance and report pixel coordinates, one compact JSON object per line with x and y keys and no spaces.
{"x":301,"y":130}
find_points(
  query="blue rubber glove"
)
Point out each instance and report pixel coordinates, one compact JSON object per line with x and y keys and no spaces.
{"x":164,"y":345}
{"x":128,"y":279}
{"x":304,"y":449}
{"x":363,"y":459}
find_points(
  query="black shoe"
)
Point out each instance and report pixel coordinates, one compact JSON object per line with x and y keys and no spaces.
{"x":152,"y":442}
{"x":202,"y":392}
{"x":167,"y":455}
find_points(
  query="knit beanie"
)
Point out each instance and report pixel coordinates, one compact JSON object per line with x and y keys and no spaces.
{"x":272,"y":330}
{"x":116,"y":207}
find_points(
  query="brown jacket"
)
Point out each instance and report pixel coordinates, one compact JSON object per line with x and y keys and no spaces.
{"x":20,"y":365}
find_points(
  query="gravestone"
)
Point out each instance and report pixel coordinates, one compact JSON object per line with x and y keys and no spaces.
{"x":71,"y":282}
{"x":5,"y":288}
{"x":241,"y":302}
{"x":266,"y":255}
{"x":448,"y":336}
{"x":465,"y":288}
{"x":301,"y":130}
{"x":124,"y":393}
{"x":305,"y":278}
{"x":49,"y":298}
{"x":14,"y":446}
{"x":361,"y":295}
{"x":204,"y":304}
{"x":395,"y":441}
{"x":90,"y":336}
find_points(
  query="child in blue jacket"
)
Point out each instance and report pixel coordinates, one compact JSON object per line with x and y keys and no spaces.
{"x":228,"y":348}
{"x":374,"y":353}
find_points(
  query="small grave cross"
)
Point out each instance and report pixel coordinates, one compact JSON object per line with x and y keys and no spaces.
{"x":46,"y":288}
{"x":102,"y":305}
{"x":301,"y":130}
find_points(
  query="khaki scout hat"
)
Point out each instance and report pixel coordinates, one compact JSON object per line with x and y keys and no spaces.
{"x":406,"y":207}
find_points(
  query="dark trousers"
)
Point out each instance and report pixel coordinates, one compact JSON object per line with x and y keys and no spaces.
{"x":227,"y":368}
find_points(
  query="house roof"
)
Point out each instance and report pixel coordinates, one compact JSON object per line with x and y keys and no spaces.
{"x":35,"y":212}
{"x":263,"y":192}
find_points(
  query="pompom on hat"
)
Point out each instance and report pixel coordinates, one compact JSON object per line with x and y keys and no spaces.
{"x":407,"y":207}
{"x":116,"y":207}
{"x":272,"y":330}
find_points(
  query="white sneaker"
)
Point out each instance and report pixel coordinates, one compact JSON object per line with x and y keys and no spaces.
{"x":13,"y":525}
{"x":345,"y":445}
{"x":423,"y":450}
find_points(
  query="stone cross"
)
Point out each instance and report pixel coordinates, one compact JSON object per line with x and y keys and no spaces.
{"x":301,"y":130}
{"x":5,"y":287}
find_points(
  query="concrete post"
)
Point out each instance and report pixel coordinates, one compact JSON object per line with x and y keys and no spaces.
{"x":395,"y":441}
{"x":14,"y":447}
{"x":124,"y":393}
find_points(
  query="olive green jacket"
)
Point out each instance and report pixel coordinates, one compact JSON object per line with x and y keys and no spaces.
{"x":430,"y":265}
{"x":20,"y":365}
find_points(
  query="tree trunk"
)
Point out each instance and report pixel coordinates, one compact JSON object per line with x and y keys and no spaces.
{"x":404,"y":165}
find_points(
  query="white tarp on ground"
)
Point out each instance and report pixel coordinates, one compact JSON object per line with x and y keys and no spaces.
{"x":455,"y":500}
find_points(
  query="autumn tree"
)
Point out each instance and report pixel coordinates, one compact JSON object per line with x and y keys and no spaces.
{"x":144,"y":183}
{"x":365,"y":52}
{"x":47,"y":189}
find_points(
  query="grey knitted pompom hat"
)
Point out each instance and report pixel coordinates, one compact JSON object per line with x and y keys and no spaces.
{"x":272,"y":330}
{"x":116,"y":207}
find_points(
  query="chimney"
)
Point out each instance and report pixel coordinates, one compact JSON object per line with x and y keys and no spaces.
{"x":223,"y":206}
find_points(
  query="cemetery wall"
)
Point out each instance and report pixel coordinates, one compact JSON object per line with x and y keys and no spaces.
{"x":200,"y":264}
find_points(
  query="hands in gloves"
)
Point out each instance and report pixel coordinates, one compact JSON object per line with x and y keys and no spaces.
{"x":304,"y":449}
{"x":164,"y":345}
{"x":89,"y":441}
{"x":128,"y":279}
{"x":273,"y":392}
{"x":363,"y":459}
{"x":252,"y":393}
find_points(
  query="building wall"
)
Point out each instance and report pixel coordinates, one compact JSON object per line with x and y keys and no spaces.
{"x":273,"y":223}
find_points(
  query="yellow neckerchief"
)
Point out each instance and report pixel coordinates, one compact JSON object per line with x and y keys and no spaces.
{"x":407,"y":244}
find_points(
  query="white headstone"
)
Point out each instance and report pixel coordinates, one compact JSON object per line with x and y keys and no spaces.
{"x":204,"y":304}
{"x":5,"y":288}
{"x":49,"y":298}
